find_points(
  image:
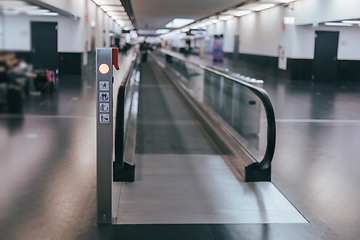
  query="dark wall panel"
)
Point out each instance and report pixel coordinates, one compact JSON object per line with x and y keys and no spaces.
{"x":349,"y":71}
{"x":70,"y":63}
{"x":301,"y":69}
{"x":26,"y":56}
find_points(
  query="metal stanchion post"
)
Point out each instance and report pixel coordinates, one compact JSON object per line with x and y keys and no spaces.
{"x":104,"y":131}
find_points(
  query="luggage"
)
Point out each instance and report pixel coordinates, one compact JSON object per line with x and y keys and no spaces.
{"x":45,"y":82}
{"x":14,"y":99}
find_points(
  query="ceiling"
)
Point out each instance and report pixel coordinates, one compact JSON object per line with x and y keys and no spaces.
{"x":16,"y":7}
{"x":151,"y":15}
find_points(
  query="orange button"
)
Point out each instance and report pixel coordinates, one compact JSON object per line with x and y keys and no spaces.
{"x":104,"y":68}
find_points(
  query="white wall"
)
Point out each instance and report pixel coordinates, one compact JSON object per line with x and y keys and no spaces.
{"x":303,"y":43}
{"x":73,"y":34}
{"x":309,"y":11}
{"x":75,"y":7}
{"x":211,"y":29}
{"x":2,"y":33}
{"x":349,"y":44}
{"x":261,"y":33}
{"x":231,"y":29}
{"x":18,"y":33}
{"x":70,"y":35}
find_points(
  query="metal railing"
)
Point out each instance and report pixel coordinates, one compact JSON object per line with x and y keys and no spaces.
{"x":123,"y":118}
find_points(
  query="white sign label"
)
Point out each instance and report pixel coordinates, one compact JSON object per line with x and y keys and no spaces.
{"x":104,"y":85}
{"x":104,"y":118}
{"x":282,"y":57}
{"x":104,"y":96}
{"x":104,"y":107}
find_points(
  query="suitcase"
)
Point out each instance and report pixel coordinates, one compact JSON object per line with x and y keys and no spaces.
{"x":45,"y":82}
{"x":14,"y":100}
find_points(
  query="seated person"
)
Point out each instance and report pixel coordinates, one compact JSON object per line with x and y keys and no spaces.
{"x":16,"y":72}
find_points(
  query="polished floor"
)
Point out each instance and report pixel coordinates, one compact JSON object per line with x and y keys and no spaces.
{"x":197,"y":189}
{"x":47,"y":165}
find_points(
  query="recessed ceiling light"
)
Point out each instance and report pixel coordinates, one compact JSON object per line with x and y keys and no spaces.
{"x":43,"y":14}
{"x":107,"y":2}
{"x":113,"y":8}
{"x":179,"y":22}
{"x":257,"y":6}
{"x":238,"y":13}
{"x":39,"y":11}
{"x":277,"y":1}
{"x":289,"y":20}
{"x":226,"y":17}
{"x":162,"y":31}
{"x":111,"y":14}
{"x":26,"y":8}
{"x":120,"y":17}
{"x":185,"y":29}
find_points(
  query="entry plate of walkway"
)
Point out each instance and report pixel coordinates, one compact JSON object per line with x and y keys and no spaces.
{"x":196,"y":189}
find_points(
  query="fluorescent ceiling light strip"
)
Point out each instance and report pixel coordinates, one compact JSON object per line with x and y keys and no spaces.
{"x":44,"y":14}
{"x":120,"y":17}
{"x":12,"y":4}
{"x":113,"y":8}
{"x":179,"y":22}
{"x":277,"y":1}
{"x":24,"y":8}
{"x":351,"y":22}
{"x":238,"y":13}
{"x":118,"y":14}
{"x":107,"y":2}
{"x":257,"y":6}
{"x":38,"y":11}
{"x":225,"y":18}
{"x":162,"y":31}
{"x":115,"y":14}
{"x":338,"y":24}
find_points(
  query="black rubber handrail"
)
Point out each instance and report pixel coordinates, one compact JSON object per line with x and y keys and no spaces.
{"x":119,"y":122}
{"x":270,"y":116}
{"x":269,"y":110}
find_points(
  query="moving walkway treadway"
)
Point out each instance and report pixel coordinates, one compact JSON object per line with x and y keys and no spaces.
{"x":182,"y":176}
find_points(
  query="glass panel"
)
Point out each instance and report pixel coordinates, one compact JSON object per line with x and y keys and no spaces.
{"x":233,"y":103}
